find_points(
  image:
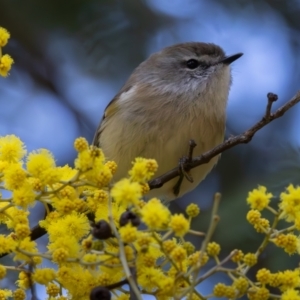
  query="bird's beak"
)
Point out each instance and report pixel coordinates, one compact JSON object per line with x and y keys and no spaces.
{"x":230,"y":59}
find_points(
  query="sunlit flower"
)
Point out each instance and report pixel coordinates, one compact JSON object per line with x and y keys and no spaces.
{"x":81,"y":144}
{"x":259,"y":198}
{"x":155,"y":215}
{"x":5,"y":64}
{"x":24,"y":196}
{"x":179,"y":224}
{"x":213,"y":249}
{"x":14,"y":176}
{"x":12,"y":149}
{"x":74,"y":224}
{"x":143,"y":169}
{"x":127,"y":192}
{"x":192,"y":210}
{"x":290,"y":203}
{"x":4,"y":36}
{"x":43,"y":276}
{"x":250,"y":259}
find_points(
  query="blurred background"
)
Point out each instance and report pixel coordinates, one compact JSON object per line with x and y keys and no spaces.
{"x":72,"y":57}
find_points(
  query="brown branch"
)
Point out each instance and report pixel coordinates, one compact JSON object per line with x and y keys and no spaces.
{"x":230,"y":142}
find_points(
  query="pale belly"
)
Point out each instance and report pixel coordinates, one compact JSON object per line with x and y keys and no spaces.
{"x":167,"y":152}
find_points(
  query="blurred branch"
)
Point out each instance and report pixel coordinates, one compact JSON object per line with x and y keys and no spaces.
{"x":232,"y":141}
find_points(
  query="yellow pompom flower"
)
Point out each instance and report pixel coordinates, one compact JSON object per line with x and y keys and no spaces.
{"x":98,"y":200}
{"x":2,"y":272}
{"x":213,"y":249}
{"x":27,"y":245}
{"x":24,"y":281}
{"x":69,"y":243}
{"x":5,"y":294}
{"x":60,"y":255}
{"x":194,"y":259}
{"x":24,"y":196}
{"x":67,"y":173}
{"x":179,"y":224}
{"x":189,"y":247}
{"x":262,"y":226}
{"x":253,"y":216}
{"x":64,"y":205}
{"x":145,"y":188}
{"x":112,"y":166}
{"x":101,"y":197}
{"x":43,"y":276}
{"x":143,"y":242}
{"x":146,"y":259}
{"x":178,"y":254}
{"x":36,"y":184}
{"x":52,"y":289}
{"x":75,"y":224}
{"x":263,"y":276}
{"x":219,"y":290}
{"x":149,"y":278}
{"x":230,"y":292}
{"x":104,"y":279}
{"x":290,"y":203}
{"x":81,"y":144}
{"x":3,"y":166}
{"x":41,"y":164}
{"x":12,"y":149}
{"x":128,"y":233}
{"x":90,"y":159}
{"x":19,"y":294}
{"x":238,"y":256}
{"x":143,"y":169}
{"x":276,"y":279}
{"x":4,"y":36}
{"x":290,"y":294}
{"x":155,"y":215}
{"x":290,"y":279}
{"x":169,"y":245}
{"x":259,"y":198}
{"x":17,"y":216}
{"x":22,"y":230}
{"x":289,"y":242}
{"x":193,"y":210}
{"x":250,"y":259}
{"x":241,"y":284}
{"x":5,"y":65}
{"x":126,"y":192}
{"x":103,"y":178}
{"x":90,"y":259}
{"x":255,"y":293}
{"x":14,"y":176}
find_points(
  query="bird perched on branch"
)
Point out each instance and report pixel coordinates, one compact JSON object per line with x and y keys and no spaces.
{"x":178,"y":94}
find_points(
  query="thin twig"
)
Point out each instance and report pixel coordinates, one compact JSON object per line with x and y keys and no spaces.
{"x":216,"y":268}
{"x":134,"y":290}
{"x":211,"y":229}
{"x":230,"y":142}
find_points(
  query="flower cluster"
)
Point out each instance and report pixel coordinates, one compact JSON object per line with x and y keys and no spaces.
{"x":5,"y":60}
{"x":92,"y":225}
{"x":95,"y":239}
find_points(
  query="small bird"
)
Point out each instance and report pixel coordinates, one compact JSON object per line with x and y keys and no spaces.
{"x":178,"y":94}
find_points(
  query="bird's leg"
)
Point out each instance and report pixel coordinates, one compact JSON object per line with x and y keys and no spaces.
{"x":183,"y":167}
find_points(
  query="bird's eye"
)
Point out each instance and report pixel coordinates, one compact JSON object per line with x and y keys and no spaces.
{"x":192,"y":64}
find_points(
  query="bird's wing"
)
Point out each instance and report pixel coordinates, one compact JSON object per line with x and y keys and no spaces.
{"x":109,"y":111}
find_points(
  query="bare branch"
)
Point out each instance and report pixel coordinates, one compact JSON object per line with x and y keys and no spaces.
{"x":231,"y":141}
